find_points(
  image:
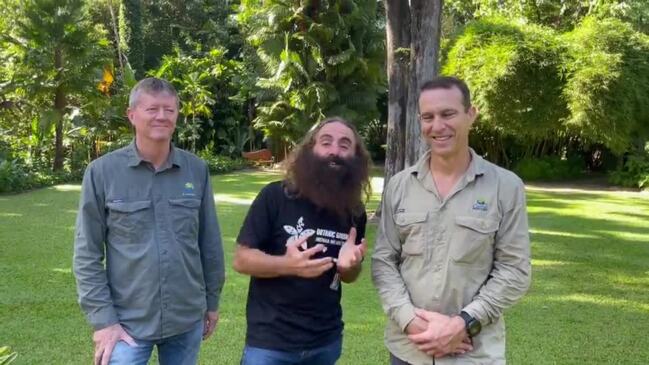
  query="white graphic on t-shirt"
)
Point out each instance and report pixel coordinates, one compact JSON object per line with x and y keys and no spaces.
{"x":323,"y":236}
{"x":298,"y":232}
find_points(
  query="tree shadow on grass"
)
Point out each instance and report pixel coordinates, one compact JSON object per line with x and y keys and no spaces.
{"x":590,"y":293}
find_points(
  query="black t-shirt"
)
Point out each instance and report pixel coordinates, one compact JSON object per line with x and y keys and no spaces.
{"x":290,"y":313}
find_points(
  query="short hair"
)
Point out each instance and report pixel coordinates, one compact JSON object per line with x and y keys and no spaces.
{"x":151,"y":86}
{"x":449,"y":82}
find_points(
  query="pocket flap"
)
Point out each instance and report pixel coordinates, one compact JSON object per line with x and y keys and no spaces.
{"x":404,"y":219}
{"x":477,"y":224}
{"x":413,"y":247}
{"x":128,"y":207}
{"x":186,"y":202}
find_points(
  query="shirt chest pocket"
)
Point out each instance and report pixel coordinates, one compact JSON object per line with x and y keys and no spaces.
{"x":412,"y":232}
{"x":184,"y":219}
{"x":473,"y":239}
{"x":127,"y":219}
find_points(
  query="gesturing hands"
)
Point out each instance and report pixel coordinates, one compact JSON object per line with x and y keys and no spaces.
{"x":300,"y":263}
{"x":438,"y":335}
{"x":350,"y":253}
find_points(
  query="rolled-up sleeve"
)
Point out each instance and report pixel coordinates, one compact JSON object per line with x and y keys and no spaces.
{"x":385,"y":266}
{"x":211,"y":247}
{"x":89,"y":248}
{"x":512,"y":270}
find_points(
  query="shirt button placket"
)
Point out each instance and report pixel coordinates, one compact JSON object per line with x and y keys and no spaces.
{"x":161,"y":244}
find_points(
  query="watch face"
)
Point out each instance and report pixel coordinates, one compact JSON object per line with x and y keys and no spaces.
{"x":474,"y":327}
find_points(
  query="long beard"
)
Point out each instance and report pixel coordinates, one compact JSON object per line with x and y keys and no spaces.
{"x":331,"y":183}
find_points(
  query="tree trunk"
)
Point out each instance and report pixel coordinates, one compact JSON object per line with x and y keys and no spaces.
{"x":133,"y":20}
{"x":398,"y":43}
{"x":118,"y":45}
{"x":413,"y":37}
{"x":59,"y":106}
{"x":425,"y":30}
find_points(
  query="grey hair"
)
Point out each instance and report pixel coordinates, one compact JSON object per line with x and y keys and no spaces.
{"x":151,"y":86}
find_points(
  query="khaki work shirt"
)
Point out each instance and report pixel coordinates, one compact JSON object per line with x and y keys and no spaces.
{"x":147,"y":250}
{"x":470,"y":251}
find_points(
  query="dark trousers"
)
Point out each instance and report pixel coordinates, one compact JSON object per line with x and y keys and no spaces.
{"x":397,"y":361}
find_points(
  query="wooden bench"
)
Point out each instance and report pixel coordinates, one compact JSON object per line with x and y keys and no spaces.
{"x":263,"y":157}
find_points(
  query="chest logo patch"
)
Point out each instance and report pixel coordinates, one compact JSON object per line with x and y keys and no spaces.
{"x":298,"y":232}
{"x":188,"y":189}
{"x":480,"y":204}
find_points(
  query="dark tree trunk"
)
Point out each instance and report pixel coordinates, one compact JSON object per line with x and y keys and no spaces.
{"x":398,"y":69}
{"x":136,"y":41}
{"x":413,"y":37}
{"x":59,"y":106}
{"x":425,"y":30}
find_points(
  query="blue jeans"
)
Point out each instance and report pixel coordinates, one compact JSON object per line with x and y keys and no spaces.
{"x":325,"y":355}
{"x":181,"y":349}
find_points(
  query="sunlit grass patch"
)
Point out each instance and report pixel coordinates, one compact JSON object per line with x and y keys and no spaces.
{"x":588,"y":303}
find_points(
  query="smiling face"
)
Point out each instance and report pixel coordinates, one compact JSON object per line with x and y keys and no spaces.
{"x":445,"y":121}
{"x":330,"y":168}
{"x":154,"y":116}
{"x":336,"y":141}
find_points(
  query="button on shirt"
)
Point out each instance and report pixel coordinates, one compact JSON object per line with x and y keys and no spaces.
{"x":148,"y":252}
{"x":469,"y":251}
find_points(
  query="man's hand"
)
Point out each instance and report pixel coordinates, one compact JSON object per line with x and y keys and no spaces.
{"x":299,"y":263}
{"x":211,"y":319}
{"x":417,"y":325}
{"x":105,"y":340}
{"x":351,"y":254}
{"x":444,"y":335}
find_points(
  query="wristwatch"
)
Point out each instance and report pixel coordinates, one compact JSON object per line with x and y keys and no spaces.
{"x":472,"y":325}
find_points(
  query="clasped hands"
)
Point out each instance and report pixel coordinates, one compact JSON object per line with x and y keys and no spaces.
{"x":438,"y":335}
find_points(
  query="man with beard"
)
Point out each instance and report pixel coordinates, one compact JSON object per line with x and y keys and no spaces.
{"x":301,"y":237}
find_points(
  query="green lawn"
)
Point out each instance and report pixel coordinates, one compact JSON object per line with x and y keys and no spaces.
{"x":589,"y":302}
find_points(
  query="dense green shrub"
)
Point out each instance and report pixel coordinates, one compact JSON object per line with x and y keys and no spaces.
{"x":607,"y":73}
{"x":16,"y":176}
{"x":374,"y":134}
{"x":222,"y":164}
{"x":634,"y":173}
{"x":515,"y":72}
{"x":549,"y":168}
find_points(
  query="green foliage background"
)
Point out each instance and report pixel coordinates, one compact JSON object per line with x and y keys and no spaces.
{"x":559,"y":82}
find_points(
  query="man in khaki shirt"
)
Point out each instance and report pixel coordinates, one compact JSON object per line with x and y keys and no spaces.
{"x":453,"y":248}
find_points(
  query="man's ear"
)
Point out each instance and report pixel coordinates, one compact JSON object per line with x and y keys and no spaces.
{"x":473,"y":113}
{"x":129,"y":114}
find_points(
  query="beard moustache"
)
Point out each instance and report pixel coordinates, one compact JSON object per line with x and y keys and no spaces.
{"x":331,"y":183}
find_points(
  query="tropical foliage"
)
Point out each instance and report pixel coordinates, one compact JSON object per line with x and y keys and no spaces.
{"x":547,"y":95}
{"x":317,"y":59}
{"x":559,"y":83}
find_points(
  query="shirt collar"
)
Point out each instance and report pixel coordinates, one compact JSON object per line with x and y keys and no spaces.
{"x":476,"y":166}
{"x":134,"y":158}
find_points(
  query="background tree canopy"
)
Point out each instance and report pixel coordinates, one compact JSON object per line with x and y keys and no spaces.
{"x":561,"y":84}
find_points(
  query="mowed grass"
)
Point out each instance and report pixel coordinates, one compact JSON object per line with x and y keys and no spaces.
{"x":589,"y":301}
